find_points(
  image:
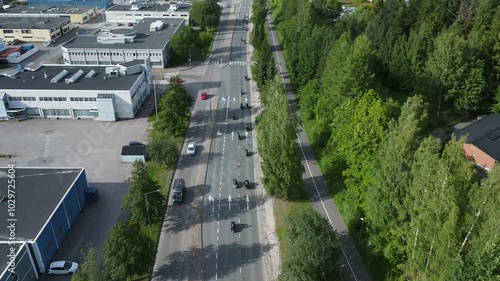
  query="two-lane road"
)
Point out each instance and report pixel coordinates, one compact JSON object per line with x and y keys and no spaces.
{"x":211,"y":201}
{"x":227,"y":255}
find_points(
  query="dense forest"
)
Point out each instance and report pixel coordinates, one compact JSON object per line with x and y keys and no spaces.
{"x":374,"y":87}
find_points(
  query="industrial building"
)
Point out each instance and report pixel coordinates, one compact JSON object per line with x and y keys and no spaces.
{"x":101,"y":4}
{"x":33,"y":29}
{"x":76,"y":91}
{"x":77,"y":14}
{"x":137,"y":11}
{"x":47,"y":203}
{"x":148,"y":38}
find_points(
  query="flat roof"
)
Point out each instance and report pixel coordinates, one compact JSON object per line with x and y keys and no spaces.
{"x":145,"y":39}
{"x":159,"y":7}
{"x":24,"y":79}
{"x":38,"y":192}
{"x":31,"y":22}
{"x":46,"y":9}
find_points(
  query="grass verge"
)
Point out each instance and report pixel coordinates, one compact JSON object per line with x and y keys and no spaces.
{"x":282,"y":209}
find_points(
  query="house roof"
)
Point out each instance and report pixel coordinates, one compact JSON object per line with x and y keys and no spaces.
{"x":31,"y":22}
{"x":134,"y":150}
{"x":150,"y":7}
{"x":144,"y":40}
{"x":40,"y":191}
{"x":24,"y":80}
{"x":484,"y":134}
{"x":46,"y":9}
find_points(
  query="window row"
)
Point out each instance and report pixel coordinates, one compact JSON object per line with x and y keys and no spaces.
{"x":22,"y":99}
{"x":141,"y":54}
{"x":82,"y":99}
{"x":52,"y":98}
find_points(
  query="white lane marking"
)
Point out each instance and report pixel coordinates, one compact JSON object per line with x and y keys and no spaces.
{"x":217,"y":230}
{"x":124,"y":126}
{"x":216,"y":255}
{"x":240,"y":269}
{"x":217,"y":238}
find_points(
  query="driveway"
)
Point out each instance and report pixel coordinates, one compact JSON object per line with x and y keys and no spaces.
{"x":94,"y":145}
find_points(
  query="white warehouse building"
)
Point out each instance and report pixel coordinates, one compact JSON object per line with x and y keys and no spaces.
{"x":137,"y":11}
{"x":148,"y":38}
{"x":60,"y":91}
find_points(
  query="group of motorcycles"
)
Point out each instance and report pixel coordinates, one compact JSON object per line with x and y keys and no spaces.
{"x":246,"y":184}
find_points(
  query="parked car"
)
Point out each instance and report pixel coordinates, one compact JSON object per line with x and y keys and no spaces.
{"x":203,"y":95}
{"x":191,"y":149}
{"x":178,"y":191}
{"x":133,"y":143}
{"x":62,"y":268}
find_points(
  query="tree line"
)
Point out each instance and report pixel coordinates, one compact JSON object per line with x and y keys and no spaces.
{"x":314,"y":244}
{"x":372,"y":86}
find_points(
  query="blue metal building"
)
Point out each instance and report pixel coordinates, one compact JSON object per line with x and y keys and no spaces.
{"x":47,"y":203}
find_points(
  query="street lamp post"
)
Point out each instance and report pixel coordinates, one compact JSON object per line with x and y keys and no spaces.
{"x":362,"y":220}
{"x":147,"y":207}
{"x":156,"y":106}
{"x":190,"y":54}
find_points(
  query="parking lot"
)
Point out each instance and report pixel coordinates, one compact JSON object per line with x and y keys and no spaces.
{"x":94,"y":145}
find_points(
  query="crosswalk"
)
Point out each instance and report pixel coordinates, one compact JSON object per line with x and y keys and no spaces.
{"x":235,"y":62}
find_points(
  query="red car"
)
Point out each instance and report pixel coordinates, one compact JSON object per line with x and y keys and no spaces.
{"x":203,"y":95}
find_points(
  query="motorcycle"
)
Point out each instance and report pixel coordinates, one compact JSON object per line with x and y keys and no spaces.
{"x":247,"y":184}
{"x":246,"y":152}
{"x":247,"y":128}
{"x":241,"y":105}
{"x":233,"y":226}
{"x":233,"y":116}
{"x":248,"y":107}
{"x":239,"y":137}
{"x":235,"y":183}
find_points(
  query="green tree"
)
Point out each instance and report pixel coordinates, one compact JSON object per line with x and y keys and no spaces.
{"x":313,"y":249}
{"x":387,"y":215}
{"x":211,"y":13}
{"x":90,"y":268}
{"x":453,"y":67}
{"x":357,"y":129}
{"x":437,"y":201}
{"x":163,"y":149}
{"x":348,"y":73}
{"x":180,"y":42}
{"x":128,"y":252}
{"x":174,"y":109}
{"x":496,"y":106}
{"x":141,"y":183}
{"x":196,"y":13}
{"x":281,"y":164}
{"x":480,"y":245}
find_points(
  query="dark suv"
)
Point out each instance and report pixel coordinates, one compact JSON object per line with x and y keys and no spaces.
{"x":178,"y":191}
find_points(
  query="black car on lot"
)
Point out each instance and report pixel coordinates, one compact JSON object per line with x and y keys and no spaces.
{"x":178,"y":191}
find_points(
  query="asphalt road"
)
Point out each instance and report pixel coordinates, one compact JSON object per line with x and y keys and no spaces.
{"x":350,"y":264}
{"x":211,"y":201}
{"x":227,"y":255}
